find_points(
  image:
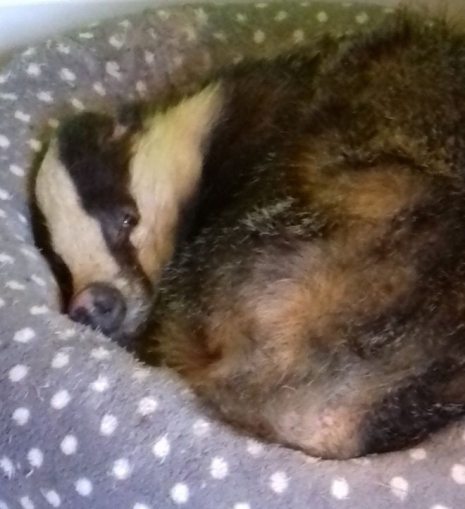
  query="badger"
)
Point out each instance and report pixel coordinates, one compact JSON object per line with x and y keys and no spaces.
{"x":289,"y":237}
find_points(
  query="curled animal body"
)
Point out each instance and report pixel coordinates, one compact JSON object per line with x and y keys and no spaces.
{"x":290,"y":237}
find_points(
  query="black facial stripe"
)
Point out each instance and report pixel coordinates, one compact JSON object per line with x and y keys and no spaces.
{"x":96,"y":160}
{"x":98,"y":163}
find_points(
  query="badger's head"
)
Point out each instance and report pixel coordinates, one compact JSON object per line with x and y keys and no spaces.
{"x":109,"y":195}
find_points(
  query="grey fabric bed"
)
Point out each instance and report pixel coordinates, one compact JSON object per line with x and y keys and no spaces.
{"x":82,"y":425}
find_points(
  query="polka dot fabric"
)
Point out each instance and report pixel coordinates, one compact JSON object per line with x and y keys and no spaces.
{"x":81,"y":424}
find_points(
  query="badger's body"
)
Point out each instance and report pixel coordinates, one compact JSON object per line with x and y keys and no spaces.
{"x":296,"y":242}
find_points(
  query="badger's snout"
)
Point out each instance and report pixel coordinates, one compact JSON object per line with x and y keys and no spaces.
{"x":99,"y":305}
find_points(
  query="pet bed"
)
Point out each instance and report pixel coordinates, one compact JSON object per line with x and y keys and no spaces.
{"x":82,"y":425}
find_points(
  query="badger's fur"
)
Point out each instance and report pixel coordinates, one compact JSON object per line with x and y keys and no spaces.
{"x":291,"y":237}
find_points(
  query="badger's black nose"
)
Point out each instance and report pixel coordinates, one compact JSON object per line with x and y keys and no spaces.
{"x":100,"y":306}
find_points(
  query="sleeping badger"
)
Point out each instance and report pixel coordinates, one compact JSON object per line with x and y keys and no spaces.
{"x":290,"y":238}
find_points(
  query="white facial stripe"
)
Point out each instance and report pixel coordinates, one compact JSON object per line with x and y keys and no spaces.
{"x":75,"y":235}
{"x":165,"y":170}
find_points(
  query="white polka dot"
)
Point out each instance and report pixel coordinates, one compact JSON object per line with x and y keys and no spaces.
{"x":77,"y":104}
{"x":298,"y":36}
{"x":86,"y":35}
{"x":45,"y":97}
{"x":113,"y":69}
{"x":279,"y":482}
{"x":17,"y":170}
{"x":67,"y":75}
{"x":141,"y":87}
{"x":22,"y":117}
{"x":2,"y":504}
{"x":39,"y":310}
{"x":242,"y":18}
{"x":201,"y":16}
{"x":4,"y":141}
{"x":439,"y":506}
{"x":138,"y":505}
{"x":219,"y":468}
{"x":162,"y":447}
{"x":23,"y":220}
{"x":2,"y":213}
{"x":4,"y":194}
{"x":29,"y":52}
{"x":220,"y":36}
{"x":35,"y":145}
{"x":21,"y":416}
{"x":63,"y":48}
{"x":242,"y":505}
{"x":18,"y":373}
{"x":35,"y":458}
{"x":26,"y":503}
{"x":281,"y":16}
{"x":163,"y":15}
{"x":322,"y":17}
{"x":33,"y":70}
{"x":108,"y":425}
{"x":67,"y":334}
{"x":7,"y":96}
{"x":84,"y":487}
{"x":52,"y":498}
{"x":38,"y":280}
{"x":28,"y":253}
{"x":121,"y":469}
{"x":60,"y":399}
{"x":101,"y":384}
{"x":180,"y":493}
{"x":362,"y":18}
{"x":259,"y":36}
{"x":201,"y":427}
{"x":458,"y":473}
{"x":6,"y":465}
{"x":6,"y":259}
{"x":339,"y":488}
{"x":147,"y":406}
{"x":125,"y":23}
{"x":15,"y":285}
{"x":99,"y":88}
{"x":100,"y":353}
{"x":68,"y":445}
{"x":149,"y":57}
{"x":399,"y":487}
{"x":254,"y":448}
{"x":24,"y":335}
{"x":417,"y":454}
{"x":116,"y":42}
{"x":2,"y":303}
{"x":60,"y":360}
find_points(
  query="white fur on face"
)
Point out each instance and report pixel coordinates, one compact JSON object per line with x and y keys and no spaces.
{"x":165,"y":171}
{"x":75,"y":235}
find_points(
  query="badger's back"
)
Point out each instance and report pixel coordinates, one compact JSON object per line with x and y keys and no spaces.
{"x":318,"y":294}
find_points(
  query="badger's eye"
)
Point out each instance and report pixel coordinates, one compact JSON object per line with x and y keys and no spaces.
{"x":130,"y":221}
